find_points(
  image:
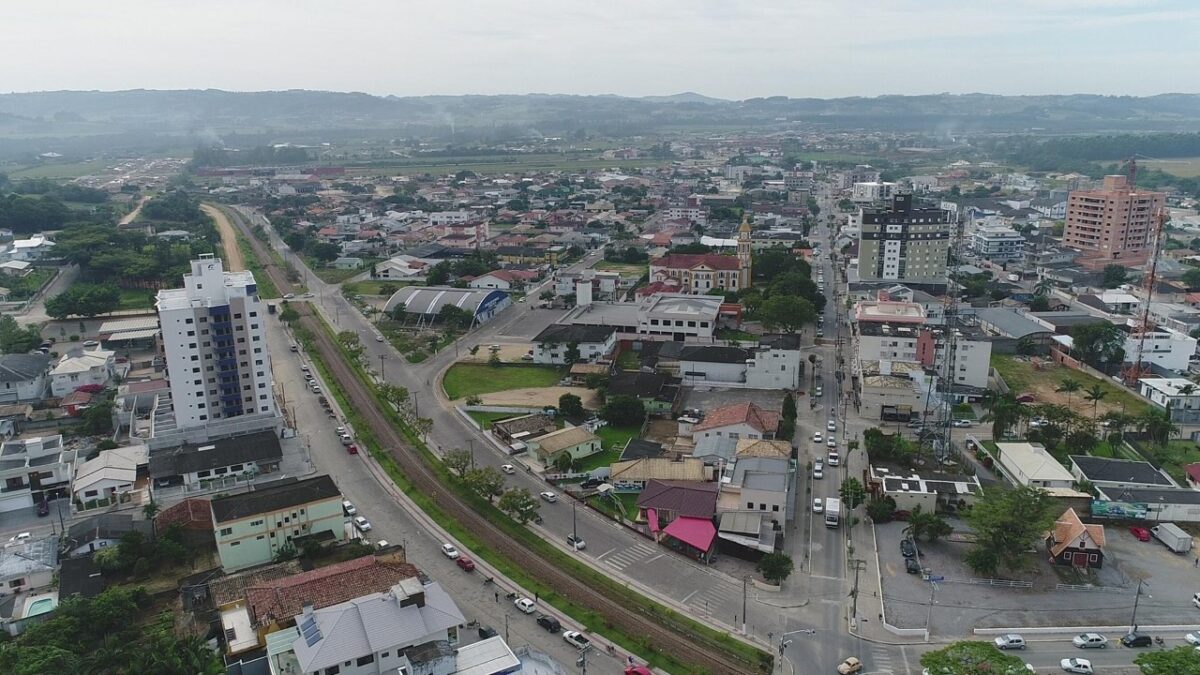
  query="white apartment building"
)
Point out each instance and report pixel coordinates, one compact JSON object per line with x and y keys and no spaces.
{"x":998,"y":243}
{"x":1165,"y":348}
{"x":865,"y":193}
{"x":442,"y":218}
{"x":693,"y":214}
{"x":929,"y":346}
{"x":798,"y":181}
{"x":1179,"y":395}
{"x":214,"y":340}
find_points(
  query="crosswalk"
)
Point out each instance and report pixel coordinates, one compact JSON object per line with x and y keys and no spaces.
{"x":717,"y":599}
{"x":637,"y":553}
{"x":881,"y":660}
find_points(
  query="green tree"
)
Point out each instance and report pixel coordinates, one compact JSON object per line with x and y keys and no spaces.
{"x":1182,"y":660}
{"x":1004,"y":411}
{"x":624,"y":411}
{"x":1039,"y":304}
{"x":789,"y":406}
{"x":786,"y":313}
{"x":97,"y":418}
{"x":1114,"y":275}
{"x":458,"y":460}
{"x":972,"y":658}
{"x":775,"y":567}
{"x":1068,"y":386}
{"x":1158,"y":424}
{"x":15,"y":339}
{"x":86,"y":300}
{"x":882,"y":510}
{"x":852,"y":492}
{"x":1192,"y":278}
{"x":563,"y":462}
{"x":1095,"y":394}
{"x":487,"y":482}
{"x":570,"y":405}
{"x":1042,"y":288}
{"x":1007,"y":523}
{"x":571,"y":354}
{"x":1082,"y":441}
{"x":439,"y":274}
{"x":325,"y":253}
{"x":519,"y":504}
{"x":927,"y":525}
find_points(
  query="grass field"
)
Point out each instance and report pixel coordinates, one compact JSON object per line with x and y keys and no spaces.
{"x":332,"y":275}
{"x":605,"y":504}
{"x":1178,"y":454}
{"x":64,"y":170}
{"x":1184,"y":167}
{"x":465,"y":379}
{"x":137,"y":298}
{"x":621,"y":268}
{"x":1023,"y":378}
{"x":615,"y":438}
{"x":371,"y":287}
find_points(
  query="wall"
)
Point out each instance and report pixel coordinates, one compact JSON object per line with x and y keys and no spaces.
{"x":696,"y":372}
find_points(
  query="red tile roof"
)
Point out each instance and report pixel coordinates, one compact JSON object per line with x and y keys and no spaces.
{"x":688,"y":261}
{"x":1193,"y":472}
{"x":190,"y":514}
{"x":766,"y":421}
{"x":281,"y":599}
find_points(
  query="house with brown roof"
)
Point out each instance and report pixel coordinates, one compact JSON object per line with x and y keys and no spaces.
{"x":576,"y":442}
{"x":672,"y":499}
{"x":738,"y":421}
{"x":633,"y":475}
{"x":523,"y":428}
{"x":1074,"y":543}
{"x":753,"y":447}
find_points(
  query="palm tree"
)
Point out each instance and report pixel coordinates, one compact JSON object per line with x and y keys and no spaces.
{"x":1158,"y":424}
{"x":1004,"y":411}
{"x":1068,"y":386}
{"x":1042,"y":288}
{"x":1094,"y":394}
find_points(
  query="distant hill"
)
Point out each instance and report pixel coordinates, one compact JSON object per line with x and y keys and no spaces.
{"x":49,"y":121}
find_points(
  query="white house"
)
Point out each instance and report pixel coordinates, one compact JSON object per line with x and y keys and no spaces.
{"x":1178,"y":394}
{"x":33,"y":470}
{"x":593,"y":343}
{"x":776,"y":363}
{"x":741,"y":420}
{"x":1164,"y":347}
{"x":28,"y":565}
{"x":23,"y":377}
{"x":1030,"y":464}
{"x":76,"y":370}
{"x":33,"y":248}
{"x":103,"y":480}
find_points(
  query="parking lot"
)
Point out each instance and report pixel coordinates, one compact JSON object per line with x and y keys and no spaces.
{"x":1169,"y":581}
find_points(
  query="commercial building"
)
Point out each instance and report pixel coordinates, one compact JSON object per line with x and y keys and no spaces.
{"x":998,"y":243}
{"x":904,"y":242}
{"x":1119,"y":473}
{"x":428,"y":302}
{"x":222,"y":462}
{"x":874,"y":191}
{"x":215,"y":344}
{"x":252,"y":527}
{"x":1030,"y":464}
{"x":1113,"y":224}
{"x":1178,"y":395}
{"x":932,"y":492}
{"x":590,"y":343}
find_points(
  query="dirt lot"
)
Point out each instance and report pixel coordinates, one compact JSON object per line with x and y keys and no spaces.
{"x":1041,"y":376}
{"x":662,"y":431}
{"x":540,"y":397}
{"x":509,"y":353}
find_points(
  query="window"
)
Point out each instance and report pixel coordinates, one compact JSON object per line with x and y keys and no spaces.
{"x":749,"y":505}
{"x":16,"y":582}
{"x":187,"y":321}
{"x":384,"y":655}
{"x":775,"y":508}
{"x":255,"y":523}
{"x":364,"y":660}
{"x":333,"y":670}
{"x":226,"y":531}
{"x":204,"y":474}
{"x":762,"y":507}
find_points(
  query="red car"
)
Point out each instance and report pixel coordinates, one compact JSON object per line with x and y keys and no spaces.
{"x":465,"y":563}
{"x":1141,"y":533}
{"x":352,"y":449}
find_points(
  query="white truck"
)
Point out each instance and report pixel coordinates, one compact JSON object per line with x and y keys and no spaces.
{"x":833,"y":511}
{"x":1172,"y":537}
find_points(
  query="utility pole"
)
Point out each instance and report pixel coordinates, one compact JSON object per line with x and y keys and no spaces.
{"x":574,"y":531}
{"x":858,"y":563}
{"x":382,"y":375}
{"x":506,"y":627}
{"x":929,"y":614}
{"x":1137,"y":596}
{"x":582,"y":661}
{"x":744,"y":580}
{"x":471,"y":444}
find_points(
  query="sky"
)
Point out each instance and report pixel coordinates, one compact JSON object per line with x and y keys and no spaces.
{"x":721,"y":48}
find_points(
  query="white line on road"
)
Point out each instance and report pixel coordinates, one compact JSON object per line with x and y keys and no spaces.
{"x":656,"y":557}
{"x":689,"y":596}
{"x":601,"y":556}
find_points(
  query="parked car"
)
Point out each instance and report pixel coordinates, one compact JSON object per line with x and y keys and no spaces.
{"x":508,"y":468}
{"x":1090,"y":641}
{"x":907,"y":548}
{"x":1140,"y":533}
{"x":548,"y":622}
{"x":818,"y":505}
{"x":849,"y":666}
{"x":1136,"y":640}
{"x":43,"y":508}
{"x":22,"y":536}
{"x":912,"y":566}
{"x":576,"y":542}
{"x":576,"y":639}
{"x":450,"y":551}
{"x":348,"y":507}
{"x":352,"y":448}
{"x":1193,"y":638}
{"x":1077,"y":666}
{"x":525,"y":605}
{"x":362,"y":524}
{"x":549,"y":496}
{"x":465,"y":564}
{"x":486,"y":632}
{"x":1010,"y":641}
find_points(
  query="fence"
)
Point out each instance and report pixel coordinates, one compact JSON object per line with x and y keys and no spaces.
{"x":1090,"y":587}
{"x":1001,"y":583}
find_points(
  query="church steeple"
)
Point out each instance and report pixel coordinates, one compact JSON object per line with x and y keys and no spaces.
{"x":743,"y":252}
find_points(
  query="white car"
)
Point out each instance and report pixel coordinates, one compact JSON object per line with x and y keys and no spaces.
{"x":382,"y":543}
{"x":1193,"y":638}
{"x":831,"y":426}
{"x":1090,"y":641}
{"x":576,"y":639}
{"x":549,"y":496}
{"x":831,"y":442}
{"x":962,"y":424}
{"x":818,"y":505}
{"x":362,"y":524}
{"x":450,"y":552}
{"x":508,"y":468}
{"x":379,"y":338}
{"x":1010,"y":641}
{"x":20,"y":537}
{"x":817,"y":437}
{"x":525,"y":605}
{"x":348,"y":507}
{"x":1077,"y":666}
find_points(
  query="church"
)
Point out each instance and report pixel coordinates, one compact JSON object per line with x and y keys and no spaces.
{"x":699,"y":273}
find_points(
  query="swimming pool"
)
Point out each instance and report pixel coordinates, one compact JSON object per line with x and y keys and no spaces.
{"x":41,"y":606}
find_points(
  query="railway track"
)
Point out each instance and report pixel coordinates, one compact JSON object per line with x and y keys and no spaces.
{"x":658,"y":637}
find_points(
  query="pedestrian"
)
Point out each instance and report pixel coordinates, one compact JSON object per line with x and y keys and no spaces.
{"x":497,"y":597}
{"x":1196,"y":562}
{"x":535,"y":597}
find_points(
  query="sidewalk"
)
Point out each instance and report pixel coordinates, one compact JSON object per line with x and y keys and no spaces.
{"x":870,"y":622}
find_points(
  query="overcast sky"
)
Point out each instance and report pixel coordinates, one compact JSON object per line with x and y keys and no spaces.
{"x":725,"y":48}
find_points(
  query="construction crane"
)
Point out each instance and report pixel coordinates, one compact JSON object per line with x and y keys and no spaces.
{"x":1142,"y":327}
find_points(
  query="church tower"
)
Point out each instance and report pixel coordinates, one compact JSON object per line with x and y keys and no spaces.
{"x":743,"y":253}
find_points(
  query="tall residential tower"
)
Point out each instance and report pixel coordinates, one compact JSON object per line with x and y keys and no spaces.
{"x":1112,"y":225}
{"x":215,"y":343}
{"x":904,"y":242}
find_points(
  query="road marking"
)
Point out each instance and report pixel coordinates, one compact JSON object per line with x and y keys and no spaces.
{"x":656,"y":557}
{"x":601,"y":556}
{"x":825,"y":577}
{"x":689,"y":596}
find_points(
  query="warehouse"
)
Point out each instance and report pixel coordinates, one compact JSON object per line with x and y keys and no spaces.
{"x":428,"y":301}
